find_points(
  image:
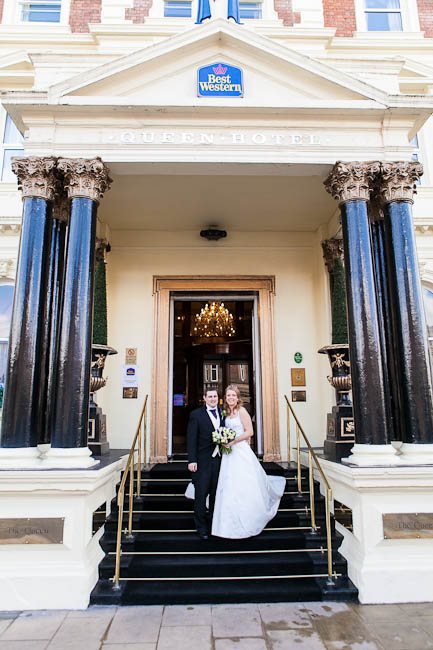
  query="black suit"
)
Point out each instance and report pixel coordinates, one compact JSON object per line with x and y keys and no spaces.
{"x":200,"y":449}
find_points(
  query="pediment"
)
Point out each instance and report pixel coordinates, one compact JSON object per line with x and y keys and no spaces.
{"x":165,"y":74}
{"x":415,"y":77}
{"x":16,"y":71}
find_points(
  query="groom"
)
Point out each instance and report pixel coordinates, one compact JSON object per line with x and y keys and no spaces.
{"x":202,"y":422}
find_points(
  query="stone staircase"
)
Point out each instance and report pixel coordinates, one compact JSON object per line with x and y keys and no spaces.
{"x":165,"y":562}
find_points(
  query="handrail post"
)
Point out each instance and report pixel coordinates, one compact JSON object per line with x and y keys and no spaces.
{"x":288,"y":436}
{"x":298,"y":446}
{"x":131,"y":497}
{"x":139,"y":464}
{"x":312,"y":456}
{"x":118,"y":541}
{"x":330,"y":580}
{"x":312,"y":497}
{"x":128,"y":469}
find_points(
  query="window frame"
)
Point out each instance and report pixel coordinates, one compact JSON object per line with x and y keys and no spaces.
{"x":22,"y":3}
{"x":409,"y":17}
{"x":7,"y":146}
{"x":157,"y":12}
{"x":12,"y":15}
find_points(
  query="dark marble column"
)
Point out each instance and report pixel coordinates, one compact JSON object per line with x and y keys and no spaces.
{"x":38,"y":182}
{"x":392,"y":386}
{"x":351,"y":184}
{"x":397,"y":188}
{"x":49,"y":339}
{"x":85,"y":182}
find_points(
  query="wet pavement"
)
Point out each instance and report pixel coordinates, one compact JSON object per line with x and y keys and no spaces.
{"x":280,"y":626}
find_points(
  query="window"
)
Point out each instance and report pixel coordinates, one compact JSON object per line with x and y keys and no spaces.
{"x":6,"y":300}
{"x":12,"y":146}
{"x":177,"y":8}
{"x":47,"y":11}
{"x":383,"y":16}
{"x":428,"y":306}
{"x":250,"y":10}
{"x":415,"y":156}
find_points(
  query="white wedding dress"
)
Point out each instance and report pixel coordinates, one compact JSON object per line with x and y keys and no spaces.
{"x":246,"y":498}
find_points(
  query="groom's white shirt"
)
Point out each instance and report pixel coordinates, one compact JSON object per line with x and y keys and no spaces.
{"x":215,"y":420}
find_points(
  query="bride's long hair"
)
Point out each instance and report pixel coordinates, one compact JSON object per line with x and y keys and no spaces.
{"x":226,"y":407}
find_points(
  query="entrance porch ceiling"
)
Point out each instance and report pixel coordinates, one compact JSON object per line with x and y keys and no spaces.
{"x":239,"y":198}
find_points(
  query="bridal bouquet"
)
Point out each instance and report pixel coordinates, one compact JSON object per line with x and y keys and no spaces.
{"x":222,"y":437}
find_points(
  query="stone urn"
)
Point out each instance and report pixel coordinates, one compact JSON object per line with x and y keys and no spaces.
{"x":97,"y":435}
{"x":340,"y":431}
{"x":340,"y":379}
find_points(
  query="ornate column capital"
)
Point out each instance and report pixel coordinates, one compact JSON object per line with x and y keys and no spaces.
{"x":37,"y":176}
{"x":397,"y":181}
{"x":332,"y":250}
{"x":351,"y":181}
{"x":87,"y":179}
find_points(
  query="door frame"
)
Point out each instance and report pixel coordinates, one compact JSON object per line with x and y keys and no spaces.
{"x":257,"y":366}
{"x":163,"y":286}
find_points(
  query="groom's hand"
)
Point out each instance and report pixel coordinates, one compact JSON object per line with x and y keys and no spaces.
{"x":192,"y":467}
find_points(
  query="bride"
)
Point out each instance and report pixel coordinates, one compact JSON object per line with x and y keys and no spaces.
{"x":246,"y":498}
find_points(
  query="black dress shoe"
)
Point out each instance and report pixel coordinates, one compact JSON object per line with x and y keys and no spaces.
{"x":202,"y":534}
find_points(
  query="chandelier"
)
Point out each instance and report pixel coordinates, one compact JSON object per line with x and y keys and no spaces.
{"x":214,"y":320}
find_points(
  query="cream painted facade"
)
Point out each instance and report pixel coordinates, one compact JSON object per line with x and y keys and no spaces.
{"x":252,"y":165}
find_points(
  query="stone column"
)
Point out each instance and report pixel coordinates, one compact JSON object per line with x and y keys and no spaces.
{"x":392,"y":389}
{"x":48,"y":348}
{"x":397,"y":188}
{"x":85,"y":182}
{"x":351,"y":185}
{"x":19,"y":437}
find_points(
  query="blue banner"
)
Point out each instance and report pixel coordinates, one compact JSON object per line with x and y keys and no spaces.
{"x":220,"y":80}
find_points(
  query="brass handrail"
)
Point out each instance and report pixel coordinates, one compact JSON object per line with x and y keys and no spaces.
{"x":140,"y":438}
{"x":328,"y":499}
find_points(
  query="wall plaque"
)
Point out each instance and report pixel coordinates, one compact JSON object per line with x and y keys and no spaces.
{"x":299,"y":396}
{"x":32,"y":530}
{"x":411,"y":525}
{"x":298,"y":376}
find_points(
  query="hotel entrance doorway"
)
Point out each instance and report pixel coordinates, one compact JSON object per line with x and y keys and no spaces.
{"x":214,"y":342}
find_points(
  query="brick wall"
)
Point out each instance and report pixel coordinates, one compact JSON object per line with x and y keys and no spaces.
{"x":82,"y":13}
{"x":425,"y":14}
{"x":284,"y":10}
{"x":139,"y":11}
{"x":340,"y":14}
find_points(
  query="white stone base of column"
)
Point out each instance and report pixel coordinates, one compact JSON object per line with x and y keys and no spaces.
{"x":416,"y":454}
{"x":54,"y":576}
{"x":372,"y":455}
{"x":70,"y":458}
{"x":20,"y":458}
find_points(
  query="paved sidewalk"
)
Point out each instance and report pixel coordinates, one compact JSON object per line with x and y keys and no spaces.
{"x":293,"y":626}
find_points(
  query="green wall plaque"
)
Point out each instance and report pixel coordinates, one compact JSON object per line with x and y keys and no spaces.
{"x":297,"y":357}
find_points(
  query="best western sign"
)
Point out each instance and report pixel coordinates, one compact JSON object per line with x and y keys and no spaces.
{"x":220,"y":80}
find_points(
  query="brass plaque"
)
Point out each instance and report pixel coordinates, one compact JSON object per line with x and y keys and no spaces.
{"x":32,"y":530}
{"x":411,"y":525}
{"x":298,"y":376}
{"x":299,"y":396}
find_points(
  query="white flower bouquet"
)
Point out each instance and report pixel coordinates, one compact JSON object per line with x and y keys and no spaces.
{"x":221,"y":437}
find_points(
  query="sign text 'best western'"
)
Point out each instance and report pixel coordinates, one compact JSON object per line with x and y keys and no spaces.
{"x":220,"y":80}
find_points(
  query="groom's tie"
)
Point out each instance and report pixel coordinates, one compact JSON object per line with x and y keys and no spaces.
{"x":214,"y":413}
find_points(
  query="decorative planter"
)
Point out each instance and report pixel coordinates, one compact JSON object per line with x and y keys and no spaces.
{"x":340,"y":434}
{"x":97,"y":436}
{"x":340,"y":379}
